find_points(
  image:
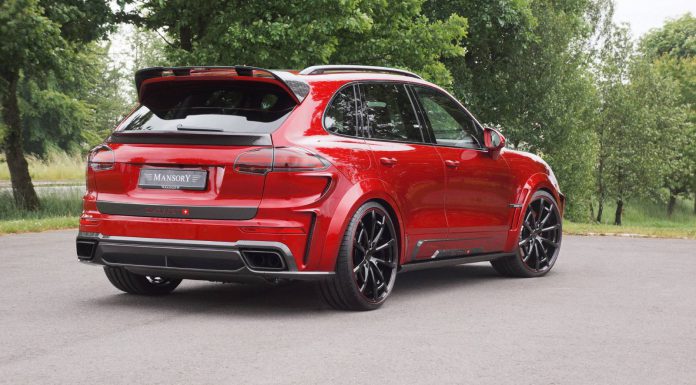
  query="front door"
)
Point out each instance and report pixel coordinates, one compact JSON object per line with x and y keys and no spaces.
{"x":479,"y":188}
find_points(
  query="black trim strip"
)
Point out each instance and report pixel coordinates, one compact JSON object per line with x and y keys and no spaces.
{"x":171,"y":211}
{"x":432,"y":263}
{"x":422,"y":241}
{"x":201,"y":138}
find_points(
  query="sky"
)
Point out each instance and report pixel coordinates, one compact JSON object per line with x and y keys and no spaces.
{"x":644,"y":15}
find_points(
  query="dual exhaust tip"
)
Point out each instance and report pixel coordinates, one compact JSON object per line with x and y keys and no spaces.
{"x":264,"y":260}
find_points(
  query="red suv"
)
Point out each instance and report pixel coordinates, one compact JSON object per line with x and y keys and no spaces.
{"x":341,"y":174}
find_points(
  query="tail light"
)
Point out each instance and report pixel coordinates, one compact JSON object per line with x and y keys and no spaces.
{"x":101,"y":158}
{"x":259,"y":161}
{"x":283,"y":159}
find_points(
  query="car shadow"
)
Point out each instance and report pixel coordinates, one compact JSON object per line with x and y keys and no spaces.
{"x":443,"y":278}
{"x":296,"y":299}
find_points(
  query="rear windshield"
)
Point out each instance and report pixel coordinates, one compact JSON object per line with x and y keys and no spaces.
{"x":189,"y":107}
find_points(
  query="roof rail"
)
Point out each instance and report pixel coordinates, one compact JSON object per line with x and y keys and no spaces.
{"x":320,"y":69}
{"x":299,"y":87}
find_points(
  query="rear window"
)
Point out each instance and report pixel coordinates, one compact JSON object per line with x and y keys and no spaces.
{"x":207,"y":106}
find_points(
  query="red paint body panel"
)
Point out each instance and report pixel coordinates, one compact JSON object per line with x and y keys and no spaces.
{"x":435,"y":206}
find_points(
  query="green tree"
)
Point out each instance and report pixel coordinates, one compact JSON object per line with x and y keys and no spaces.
{"x":37,"y":38}
{"x":526,"y":69}
{"x":147,"y":48}
{"x":639,"y":112}
{"x":72,"y":107}
{"x":672,"y":51}
{"x":29,"y":38}
{"x":280,"y":34}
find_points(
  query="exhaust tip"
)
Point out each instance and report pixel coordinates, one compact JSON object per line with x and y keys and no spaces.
{"x":264,"y":259}
{"x":85,"y":249}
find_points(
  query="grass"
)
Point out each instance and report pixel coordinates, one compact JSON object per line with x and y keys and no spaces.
{"x":60,"y":209}
{"x":37,"y":224}
{"x":646,"y":231}
{"x":645,"y":219}
{"x":58,"y":166}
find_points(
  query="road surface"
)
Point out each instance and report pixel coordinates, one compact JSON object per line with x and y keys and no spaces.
{"x":613,"y":311}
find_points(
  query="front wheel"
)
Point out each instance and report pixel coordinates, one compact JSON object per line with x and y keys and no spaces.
{"x":131,"y":283}
{"x":539,"y":242}
{"x":367,"y":262}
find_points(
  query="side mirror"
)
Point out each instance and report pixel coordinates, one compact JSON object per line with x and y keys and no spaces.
{"x":494,"y":141}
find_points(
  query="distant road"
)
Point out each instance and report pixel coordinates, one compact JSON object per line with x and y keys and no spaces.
{"x":614,"y":311}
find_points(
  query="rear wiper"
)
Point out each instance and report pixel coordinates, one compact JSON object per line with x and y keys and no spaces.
{"x":193,"y":128}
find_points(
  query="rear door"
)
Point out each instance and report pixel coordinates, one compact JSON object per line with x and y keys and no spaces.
{"x":411,"y":169}
{"x":175,"y":155}
{"x":479,"y":188}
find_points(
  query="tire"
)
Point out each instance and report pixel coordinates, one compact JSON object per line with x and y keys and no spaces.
{"x":131,"y":283}
{"x":539,"y":242}
{"x":367,"y":262}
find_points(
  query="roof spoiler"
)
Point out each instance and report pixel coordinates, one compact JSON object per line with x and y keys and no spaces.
{"x":299,"y":87}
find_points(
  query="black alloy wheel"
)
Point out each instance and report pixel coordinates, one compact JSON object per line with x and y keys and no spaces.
{"x":541,"y":234}
{"x":539,"y":242}
{"x":374,"y":257}
{"x":367,"y":262}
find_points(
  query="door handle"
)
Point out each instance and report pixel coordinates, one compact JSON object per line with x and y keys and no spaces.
{"x":388,"y":161}
{"x":452,"y":163}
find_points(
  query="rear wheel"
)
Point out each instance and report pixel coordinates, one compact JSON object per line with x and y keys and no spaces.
{"x":367,"y":262}
{"x":539,"y":242}
{"x":131,"y":283}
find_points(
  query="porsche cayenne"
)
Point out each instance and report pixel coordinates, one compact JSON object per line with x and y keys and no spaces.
{"x":344,"y":175}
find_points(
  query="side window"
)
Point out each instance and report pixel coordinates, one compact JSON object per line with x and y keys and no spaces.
{"x":340,"y":117}
{"x":389,"y":113}
{"x":451,"y":125}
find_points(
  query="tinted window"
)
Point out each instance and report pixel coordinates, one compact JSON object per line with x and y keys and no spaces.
{"x":243,"y":107}
{"x":340,"y":117}
{"x":389,"y":113}
{"x":451,"y":125}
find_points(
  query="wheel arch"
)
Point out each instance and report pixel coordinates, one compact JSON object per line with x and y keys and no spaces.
{"x":367,"y":190}
{"x":395,"y":219}
{"x":536,"y":182}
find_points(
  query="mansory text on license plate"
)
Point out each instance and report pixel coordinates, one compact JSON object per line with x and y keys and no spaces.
{"x":172,"y":179}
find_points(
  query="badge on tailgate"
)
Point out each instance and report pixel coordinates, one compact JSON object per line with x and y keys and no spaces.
{"x":172,"y":179}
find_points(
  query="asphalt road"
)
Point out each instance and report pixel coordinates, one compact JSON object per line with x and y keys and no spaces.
{"x":613,"y":311}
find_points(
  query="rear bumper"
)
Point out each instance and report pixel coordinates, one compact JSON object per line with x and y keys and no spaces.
{"x":188,"y":259}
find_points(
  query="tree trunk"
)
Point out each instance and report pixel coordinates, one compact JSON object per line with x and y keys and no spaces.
{"x":185,"y":38}
{"x":671,"y":204}
{"x":22,"y":189}
{"x":619,"y":212}
{"x":695,"y":203}
{"x":592,"y":216}
{"x":600,"y":187}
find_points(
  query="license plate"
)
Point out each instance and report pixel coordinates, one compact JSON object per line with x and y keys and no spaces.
{"x":172,"y":179}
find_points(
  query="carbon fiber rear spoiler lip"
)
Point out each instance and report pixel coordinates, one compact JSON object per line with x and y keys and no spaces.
{"x":299,"y":88}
